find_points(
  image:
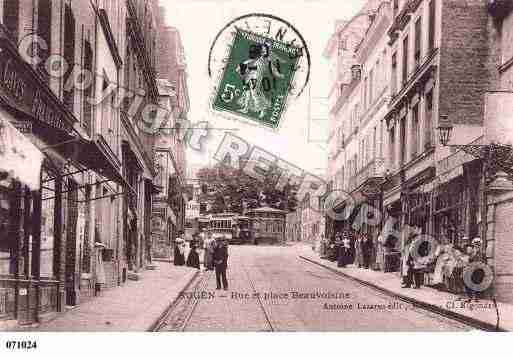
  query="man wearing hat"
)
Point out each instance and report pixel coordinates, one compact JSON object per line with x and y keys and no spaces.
{"x":220,"y":258}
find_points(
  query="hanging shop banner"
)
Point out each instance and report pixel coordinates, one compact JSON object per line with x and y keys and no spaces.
{"x":18,"y":156}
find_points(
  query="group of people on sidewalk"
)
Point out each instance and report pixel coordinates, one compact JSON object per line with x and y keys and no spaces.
{"x":215,"y":255}
{"x":444,"y":267}
{"x":347,"y":249}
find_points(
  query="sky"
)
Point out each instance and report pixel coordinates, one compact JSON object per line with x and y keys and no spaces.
{"x":299,"y":139}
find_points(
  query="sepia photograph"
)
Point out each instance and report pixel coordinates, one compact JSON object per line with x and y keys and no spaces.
{"x":244,"y":166}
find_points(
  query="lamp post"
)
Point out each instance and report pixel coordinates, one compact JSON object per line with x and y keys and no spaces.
{"x":493,"y":156}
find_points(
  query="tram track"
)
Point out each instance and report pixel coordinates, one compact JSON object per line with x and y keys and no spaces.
{"x":203,"y":309}
{"x":179,"y":314}
{"x":272,"y":328}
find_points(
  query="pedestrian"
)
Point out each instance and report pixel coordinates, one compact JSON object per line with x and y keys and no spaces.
{"x":202,"y":237}
{"x":323,"y":244}
{"x":179,"y":258}
{"x":331,"y":250}
{"x":380,"y":253}
{"x":220,"y":257}
{"x":414,"y":269}
{"x":366,"y":250}
{"x":99,"y":268}
{"x":208,"y":252}
{"x":193,"y":258}
{"x":344,"y":251}
{"x":358,"y":255}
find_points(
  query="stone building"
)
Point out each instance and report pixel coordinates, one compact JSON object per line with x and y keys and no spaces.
{"x":498,"y":129}
{"x":352,"y":142}
{"x":165,"y":214}
{"x":429,"y":188}
{"x":139,"y":77}
{"x":88,"y":117}
{"x":172,"y":67}
{"x":426,"y":187}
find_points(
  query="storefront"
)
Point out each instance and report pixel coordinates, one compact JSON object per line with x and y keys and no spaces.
{"x":389,"y":244}
{"x":47,"y":170}
{"x":455,"y":201}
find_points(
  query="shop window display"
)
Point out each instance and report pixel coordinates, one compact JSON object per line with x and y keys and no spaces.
{"x":47,"y":229}
{"x":6,"y":243}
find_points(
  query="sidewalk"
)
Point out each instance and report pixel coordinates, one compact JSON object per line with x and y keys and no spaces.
{"x":481,"y":314}
{"x":135,"y":306}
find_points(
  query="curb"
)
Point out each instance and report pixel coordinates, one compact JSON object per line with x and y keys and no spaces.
{"x":473,"y":322}
{"x":155,"y":325}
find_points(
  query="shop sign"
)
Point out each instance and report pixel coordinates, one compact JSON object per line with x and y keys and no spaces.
{"x":16,"y":82}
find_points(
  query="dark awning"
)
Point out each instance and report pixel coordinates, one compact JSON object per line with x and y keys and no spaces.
{"x":93,"y":156}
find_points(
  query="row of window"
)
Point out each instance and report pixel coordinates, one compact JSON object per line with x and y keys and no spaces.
{"x":416,"y":127}
{"x":416,"y":52}
{"x":11,"y":12}
{"x":133,"y":77}
{"x":375,"y":81}
{"x":371,"y":146}
{"x":414,"y":131}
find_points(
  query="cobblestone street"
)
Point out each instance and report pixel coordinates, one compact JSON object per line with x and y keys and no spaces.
{"x":275,"y":273}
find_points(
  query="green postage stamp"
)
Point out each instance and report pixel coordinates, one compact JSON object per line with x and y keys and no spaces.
{"x":257,"y":78}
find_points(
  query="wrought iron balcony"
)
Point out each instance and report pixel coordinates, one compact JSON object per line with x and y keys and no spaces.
{"x":373,"y":170}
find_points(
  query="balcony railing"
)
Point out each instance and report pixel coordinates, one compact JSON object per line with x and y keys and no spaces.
{"x":374,"y":169}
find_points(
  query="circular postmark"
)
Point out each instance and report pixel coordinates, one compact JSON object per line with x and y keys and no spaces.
{"x":258,"y":63}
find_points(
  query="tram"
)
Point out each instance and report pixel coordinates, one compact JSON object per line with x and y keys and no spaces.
{"x":232,"y":226}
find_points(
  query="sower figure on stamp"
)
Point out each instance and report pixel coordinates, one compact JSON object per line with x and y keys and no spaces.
{"x":252,"y":72}
{"x":221,"y":262}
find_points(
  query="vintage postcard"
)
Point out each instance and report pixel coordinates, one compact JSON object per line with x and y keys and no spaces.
{"x":255,"y":166}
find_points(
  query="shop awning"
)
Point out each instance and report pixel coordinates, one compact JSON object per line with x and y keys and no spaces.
{"x":19,"y":157}
{"x":92,"y":155}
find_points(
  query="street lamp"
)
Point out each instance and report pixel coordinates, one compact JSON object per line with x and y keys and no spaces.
{"x":444,"y":130}
{"x":356,"y":72}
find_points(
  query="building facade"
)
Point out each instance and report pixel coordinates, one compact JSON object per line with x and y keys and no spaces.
{"x":172,"y":66}
{"x":352,"y":142}
{"x":421,"y":186}
{"x":168,"y":202}
{"x":87,"y":221}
